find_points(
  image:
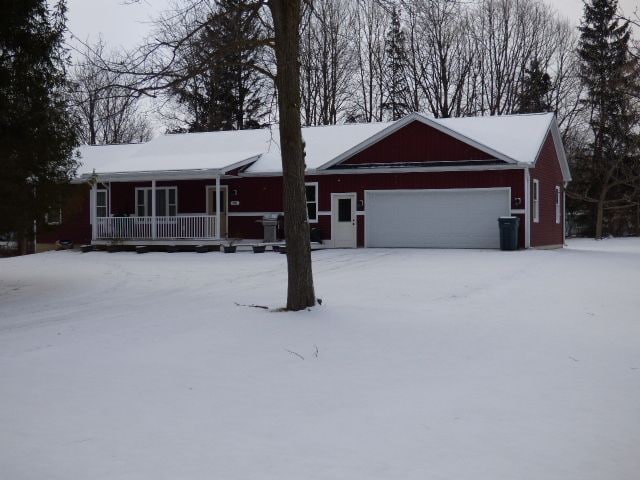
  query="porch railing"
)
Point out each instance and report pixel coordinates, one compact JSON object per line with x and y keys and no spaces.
{"x":196,"y":227}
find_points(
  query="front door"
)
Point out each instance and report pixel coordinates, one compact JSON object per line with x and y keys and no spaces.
{"x":343,"y":220}
{"x":211,"y":207}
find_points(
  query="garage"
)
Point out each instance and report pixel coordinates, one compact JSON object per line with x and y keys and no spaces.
{"x":445,"y":218}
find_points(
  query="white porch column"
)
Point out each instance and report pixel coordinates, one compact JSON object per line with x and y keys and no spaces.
{"x":92,"y":210}
{"x":218,"y":207}
{"x":154,"y":224}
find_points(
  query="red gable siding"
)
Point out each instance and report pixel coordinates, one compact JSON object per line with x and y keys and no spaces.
{"x":549,"y":175}
{"x":414,"y":143}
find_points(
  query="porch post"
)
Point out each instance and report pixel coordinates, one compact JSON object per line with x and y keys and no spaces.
{"x":92,"y":208}
{"x":154,"y":225}
{"x":218,"y":207}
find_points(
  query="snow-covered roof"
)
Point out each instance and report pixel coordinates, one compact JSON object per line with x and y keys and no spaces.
{"x":519,"y":137}
{"x":512,"y":138}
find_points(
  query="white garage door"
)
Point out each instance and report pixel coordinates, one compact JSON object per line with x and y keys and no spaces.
{"x":452,"y":218}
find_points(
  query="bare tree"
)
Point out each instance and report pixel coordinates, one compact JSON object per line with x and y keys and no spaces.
{"x":105,"y":111}
{"x":370,"y":23}
{"x":441,"y":54}
{"x":326,"y":61}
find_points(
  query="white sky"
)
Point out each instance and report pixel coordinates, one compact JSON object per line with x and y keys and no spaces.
{"x":125,"y":25}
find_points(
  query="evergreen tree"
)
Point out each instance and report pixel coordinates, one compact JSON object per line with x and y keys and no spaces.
{"x":224,"y":92}
{"x":606,"y":174}
{"x":533,"y":97}
{"x":396,"y":69}
{"x":37,"y":138}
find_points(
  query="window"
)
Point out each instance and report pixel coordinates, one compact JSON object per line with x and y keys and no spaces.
{"x":312,"y":201}
{"x":558,"y":202}
{"x":536,"y":201}
{"x":344,"y":210}
{"x":166,"y":202}
{"x":102,"y":208}
{"x":53,"y":216}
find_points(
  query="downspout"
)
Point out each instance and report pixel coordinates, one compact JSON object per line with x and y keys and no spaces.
{"x":564,"y":214}
{"x":527,"y":208}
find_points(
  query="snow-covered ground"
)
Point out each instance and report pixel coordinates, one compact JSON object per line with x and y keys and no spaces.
{"x":420,"y":364}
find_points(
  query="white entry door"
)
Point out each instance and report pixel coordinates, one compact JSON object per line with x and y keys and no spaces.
{"x":343,"y":220}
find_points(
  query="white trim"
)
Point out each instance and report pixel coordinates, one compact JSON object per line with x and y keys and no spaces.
{"x":334,"y":216}
{"x":402,"y":123}
{"x":186,"y":174}
{"x":431,"y":190}
{"x":559,"y":147}
{"x":535,"y":200}
{"x":108,"y":202}
{"x":366,"y":171}
{"x":557,"y":203}
{"x":564,"y":214}
{"x":527,"y":209}
{"x":253,"y":214}
{"x":224,"y":188}
{"x":317,"y":201}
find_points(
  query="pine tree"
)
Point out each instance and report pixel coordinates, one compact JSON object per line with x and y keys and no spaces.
{"x":606,"y":175}
{"x":224,"y":92}
{"x":533,"y":97}
{"x":37,"y":138}
{"x":396,"y":68}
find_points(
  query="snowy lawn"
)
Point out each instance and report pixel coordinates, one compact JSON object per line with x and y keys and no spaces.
{"x":420,"y":364}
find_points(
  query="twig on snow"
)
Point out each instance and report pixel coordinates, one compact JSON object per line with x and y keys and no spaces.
{"x":294,"y":353}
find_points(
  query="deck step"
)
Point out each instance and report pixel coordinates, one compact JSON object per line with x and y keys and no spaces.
{"x":86,"y":248}
{"x":142,"y":249}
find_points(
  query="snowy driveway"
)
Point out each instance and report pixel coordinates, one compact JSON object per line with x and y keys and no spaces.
{"x":420,"y":364}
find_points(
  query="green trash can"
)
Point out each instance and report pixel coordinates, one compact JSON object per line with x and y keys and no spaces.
{"x":509,"y":232}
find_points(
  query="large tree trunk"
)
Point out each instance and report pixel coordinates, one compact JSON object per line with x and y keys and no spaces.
{"x":600,"y":214}
{"x":286,"y":22}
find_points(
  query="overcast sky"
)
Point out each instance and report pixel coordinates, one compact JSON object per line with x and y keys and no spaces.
{"x":126,"y":25}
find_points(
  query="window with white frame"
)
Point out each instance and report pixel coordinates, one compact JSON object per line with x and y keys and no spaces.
{"x":312,"y":201}
{"x":166,"y":201}
{"x":558,"y":204}
{"x":102,"y":207}
{"x":53,"y":216}
{"x":536,"y":201}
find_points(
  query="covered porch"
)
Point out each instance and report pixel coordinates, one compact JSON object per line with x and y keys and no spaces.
{"x":177,"y":208}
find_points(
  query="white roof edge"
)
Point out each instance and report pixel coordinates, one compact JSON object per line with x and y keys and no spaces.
{"x":559,"y":147}
{"x":174,"y":174}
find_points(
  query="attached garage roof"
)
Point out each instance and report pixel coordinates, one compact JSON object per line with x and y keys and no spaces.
{"x":513,"y":139}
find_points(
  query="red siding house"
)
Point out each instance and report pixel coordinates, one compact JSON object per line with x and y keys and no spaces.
{"x":416,"y":182}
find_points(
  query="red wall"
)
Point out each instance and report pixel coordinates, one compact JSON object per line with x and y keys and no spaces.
{"x":415,"y":143}
{"x":75,"y":219}
{"x":547,"y":171}
{"x":264,"y":194}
